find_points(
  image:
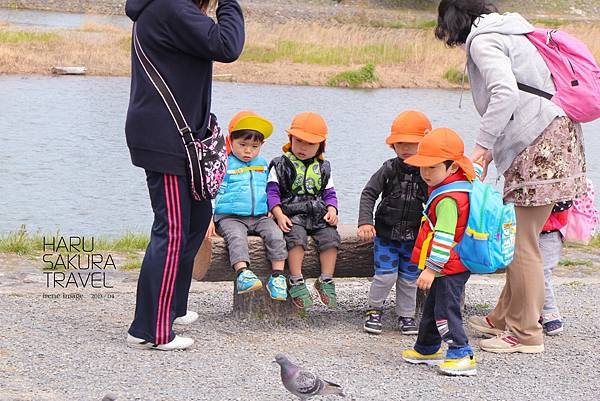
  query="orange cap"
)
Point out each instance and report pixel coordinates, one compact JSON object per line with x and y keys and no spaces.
{"x":440,"y":145}
{"x":409,"y":126}
{"x":309,"y":127}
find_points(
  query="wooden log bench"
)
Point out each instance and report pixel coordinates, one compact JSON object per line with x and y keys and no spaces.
{"x":355,"y":259}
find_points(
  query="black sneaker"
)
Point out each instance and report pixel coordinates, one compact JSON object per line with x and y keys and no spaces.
{"x":407,"y":325}
{"x":373,"y":321}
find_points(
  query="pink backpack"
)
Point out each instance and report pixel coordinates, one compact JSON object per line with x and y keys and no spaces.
{"x":575,"y":73}
{"x":582,"y":220}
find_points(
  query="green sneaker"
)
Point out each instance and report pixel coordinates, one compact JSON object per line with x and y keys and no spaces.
{"x":301,"y":296}
{"x":326,"y":290}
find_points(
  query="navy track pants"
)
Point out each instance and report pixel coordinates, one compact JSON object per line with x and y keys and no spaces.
{"x":180,"y":224}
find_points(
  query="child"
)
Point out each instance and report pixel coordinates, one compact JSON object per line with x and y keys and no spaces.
{"x":551,"y":247}
{"x":397,"y":220}
{"x":441,"y":159}
{"x":241,"y":205}
{"x":302,"y":198}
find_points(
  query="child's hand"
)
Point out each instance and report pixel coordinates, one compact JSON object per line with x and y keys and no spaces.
{"x":366,"y":232}
{"x":284,"y":222}
{"x":211,"y":230}
{"x":425,"y":279}
{"x":331,"y":216}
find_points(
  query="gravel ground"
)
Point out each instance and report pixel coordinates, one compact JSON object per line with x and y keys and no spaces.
{"x":73,"y":349}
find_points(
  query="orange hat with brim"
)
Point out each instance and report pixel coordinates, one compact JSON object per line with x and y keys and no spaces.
{"x":249,"y":120}
{"x":440,"y":145}
{"x":309,"y":127}
{"x":409,"y":126}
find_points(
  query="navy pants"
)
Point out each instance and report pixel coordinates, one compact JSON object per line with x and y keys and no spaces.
{"x":180,"y":224}
{"x":442,"y":318}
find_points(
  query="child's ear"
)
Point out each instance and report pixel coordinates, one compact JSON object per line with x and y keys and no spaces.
{"x":453,"y":168}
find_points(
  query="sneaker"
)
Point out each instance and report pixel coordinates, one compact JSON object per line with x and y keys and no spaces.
{"x":326,"y":290}
{"x":373,"y":321}
{"x":465,"y":366}
{"x":407,"y":325}
{"x":301,"y":296}
{"x":553,"y":327}
{"x":484,"y":325}
{"x":412,"y":356}
{"x":508,"y":343}
{"x":247,"y":281}
{"x":189,"y":318}
{"x":178,"y":343}
{"x":277,"y":287}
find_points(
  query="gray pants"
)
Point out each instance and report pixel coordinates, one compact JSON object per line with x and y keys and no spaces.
{"x":551,"y":249}
{"x":406,"y":293}
{"x":235,"y":231}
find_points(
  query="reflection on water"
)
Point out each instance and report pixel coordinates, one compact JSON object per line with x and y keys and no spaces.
{"x":53,"y":20}
{"x":64,"y":162}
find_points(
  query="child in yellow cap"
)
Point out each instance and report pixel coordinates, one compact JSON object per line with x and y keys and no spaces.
{"x":303,"y":200}
{"x":397,"y":220}
{"x":241,"y":205}
{"x":440,"y":157}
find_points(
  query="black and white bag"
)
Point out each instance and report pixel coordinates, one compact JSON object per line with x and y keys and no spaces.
{"x":207,"y":158}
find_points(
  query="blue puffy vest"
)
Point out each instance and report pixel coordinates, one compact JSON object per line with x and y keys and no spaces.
{"x":244,"y":189}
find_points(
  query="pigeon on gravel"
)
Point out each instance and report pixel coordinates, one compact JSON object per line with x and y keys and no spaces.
{"x":302,"y":383}
{"x":109,"y":397}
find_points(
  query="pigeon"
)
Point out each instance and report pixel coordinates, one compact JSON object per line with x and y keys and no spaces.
{"x":109,"y":397}
{"x":302,"y":383}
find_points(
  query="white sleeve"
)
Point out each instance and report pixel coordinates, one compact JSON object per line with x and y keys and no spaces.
{"x":272,"y":176}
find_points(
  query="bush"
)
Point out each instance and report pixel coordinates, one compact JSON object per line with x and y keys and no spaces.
{"x":455,"y":76}
{"x":355,"y":78}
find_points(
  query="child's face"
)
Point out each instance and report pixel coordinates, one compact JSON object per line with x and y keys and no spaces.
{"x":245,"y":149}
{"x":405,"y":149}
{"x":436,"y":174}
{"x":304,"y":150}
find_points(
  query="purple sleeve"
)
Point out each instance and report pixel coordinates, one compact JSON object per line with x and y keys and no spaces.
{"x":273,"y":195}
{"x":330,"y":197}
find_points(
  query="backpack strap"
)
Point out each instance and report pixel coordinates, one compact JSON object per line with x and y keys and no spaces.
{"x":534,"y":91}
{"x":457,"y":186}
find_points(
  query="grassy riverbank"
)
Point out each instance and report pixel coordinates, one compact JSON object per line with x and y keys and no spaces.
{"x":319,"y":50}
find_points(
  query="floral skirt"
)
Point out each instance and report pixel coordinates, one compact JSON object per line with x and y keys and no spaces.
{"x":551,"y":169}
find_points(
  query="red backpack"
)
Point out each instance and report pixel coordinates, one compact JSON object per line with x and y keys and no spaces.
{"x":575,"y":73}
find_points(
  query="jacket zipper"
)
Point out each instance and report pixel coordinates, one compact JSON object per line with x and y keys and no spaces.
{"x":251,"y":193}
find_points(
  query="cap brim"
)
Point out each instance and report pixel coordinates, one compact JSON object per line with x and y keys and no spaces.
{"x":424,"y":161}
{"x":255,"y":123}
{"x":305,"y":136}
{"x":407,"y":138}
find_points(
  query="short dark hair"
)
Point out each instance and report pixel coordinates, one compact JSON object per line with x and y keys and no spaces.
{"x":455,"y":18}
{"x":448,"y":163}
{"x":248,"y":134}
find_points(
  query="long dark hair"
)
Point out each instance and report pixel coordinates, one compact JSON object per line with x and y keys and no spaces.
{"x":205,"y":4}
{"x":455,"y":18}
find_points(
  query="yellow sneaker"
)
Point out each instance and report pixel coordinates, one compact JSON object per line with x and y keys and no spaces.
{"x":465,"y":366}
{"x":412,"y":356}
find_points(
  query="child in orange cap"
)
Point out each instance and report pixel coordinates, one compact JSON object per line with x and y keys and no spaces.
{"x":397,"y":219}
{"x":241,"y":205}
{"x":303,"y":200}
{"x":441,"y":159}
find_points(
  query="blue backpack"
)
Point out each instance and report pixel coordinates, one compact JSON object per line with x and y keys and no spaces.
{"x":489,"y":240}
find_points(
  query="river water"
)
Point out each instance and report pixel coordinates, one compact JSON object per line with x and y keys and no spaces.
{"x":64,"y":163}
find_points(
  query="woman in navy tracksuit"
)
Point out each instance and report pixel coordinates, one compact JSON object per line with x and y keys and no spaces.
{"x":182,"y":42}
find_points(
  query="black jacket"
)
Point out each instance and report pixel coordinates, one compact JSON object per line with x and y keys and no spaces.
{"x":182,"y":43}
{"x":403,"y":193}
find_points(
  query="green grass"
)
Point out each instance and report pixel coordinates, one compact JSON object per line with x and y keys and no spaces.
{"x":548,"y":22}
{"x":454,"y":76}
{"x":418,"y":24}
{"x":131,"y":264}
{"x":308,"y":53}
{"x":355,"y":78}
{"x":22,"y":242}
{"x":576,"y":262}
{"x":12,"y":37}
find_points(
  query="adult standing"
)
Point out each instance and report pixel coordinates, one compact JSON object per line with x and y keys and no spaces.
{"x":533,"y":144}
{"x":182,"y":42}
